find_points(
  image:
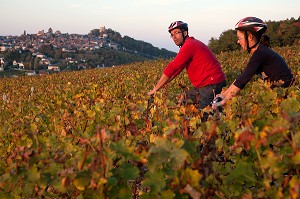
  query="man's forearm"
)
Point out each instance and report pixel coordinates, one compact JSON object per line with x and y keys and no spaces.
{"x":161,"y":83}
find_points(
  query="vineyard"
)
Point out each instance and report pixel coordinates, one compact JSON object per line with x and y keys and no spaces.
{"x":97,"y":134}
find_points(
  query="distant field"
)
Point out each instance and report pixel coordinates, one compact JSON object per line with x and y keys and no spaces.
{"x":11,"y":73}
{"x":95,"y":134}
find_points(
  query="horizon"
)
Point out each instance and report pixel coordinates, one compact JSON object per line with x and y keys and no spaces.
{"x":135,"y":18}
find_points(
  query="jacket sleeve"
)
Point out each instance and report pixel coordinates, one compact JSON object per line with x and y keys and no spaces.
{"x":251,"y":69}
{"x":180,"y":61}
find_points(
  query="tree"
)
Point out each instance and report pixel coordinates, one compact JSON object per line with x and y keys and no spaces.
{"x":47,"y":49}
{"x":226,"y":42}
{"x":58,"y":54}
{"x":213,"y":44}
{"x":36,"y":63}
{"x":11,"y":56}
{"x":288,"y":32}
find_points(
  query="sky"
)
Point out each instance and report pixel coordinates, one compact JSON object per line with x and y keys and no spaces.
{"x":145,"y":20}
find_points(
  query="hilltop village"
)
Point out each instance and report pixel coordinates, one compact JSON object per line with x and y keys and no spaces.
{"x":54,"y":51}
{"x":66,"y":42}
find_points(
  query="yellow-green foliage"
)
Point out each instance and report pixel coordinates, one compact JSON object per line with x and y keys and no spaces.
{"x":89,"y":134}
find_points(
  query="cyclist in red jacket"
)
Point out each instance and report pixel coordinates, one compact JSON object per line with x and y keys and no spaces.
{"x":203,"y":69}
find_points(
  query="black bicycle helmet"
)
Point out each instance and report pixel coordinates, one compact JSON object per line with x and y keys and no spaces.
{"x":178,"y":24}
{"x":254,"y":25}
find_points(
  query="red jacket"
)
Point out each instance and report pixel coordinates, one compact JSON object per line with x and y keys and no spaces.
{"x":202,"y":66}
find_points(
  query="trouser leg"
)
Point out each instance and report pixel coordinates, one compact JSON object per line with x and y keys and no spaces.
{"x":204,"y":96}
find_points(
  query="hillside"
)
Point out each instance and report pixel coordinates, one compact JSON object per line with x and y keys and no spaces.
{"x":96,"y":134}
{"x":99,"y":48}
{"x":140,"y":47}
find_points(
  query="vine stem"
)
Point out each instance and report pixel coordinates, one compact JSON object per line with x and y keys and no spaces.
{"x":102,"y":158}
{"x":84,"y":158}
{"x":259,"y":162}
{"x":207,"y":142}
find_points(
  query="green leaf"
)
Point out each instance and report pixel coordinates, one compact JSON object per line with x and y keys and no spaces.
{"x":46,"y":179}
{"x":4,"y":195}
{"x":291,"y":105}
{"x":126,"y":171}
{"x":296,"y":158}
{"x":82,"y":180}
{"x":33,"y":174}
{"x":191,"y":177}
{"x":156,"y":181}
{"x":124,"y":150}
{"x":243,"y":174}
{"x":168,"y":194}
{"x":166,"y":153}
{"x":219,"y":143}
{"x":80,"y":196}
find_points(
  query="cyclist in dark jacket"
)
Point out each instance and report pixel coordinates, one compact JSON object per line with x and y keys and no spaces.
{"x":263,"y":61}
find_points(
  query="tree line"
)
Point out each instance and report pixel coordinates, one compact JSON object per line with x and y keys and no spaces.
{"x":282,"y":33}
{"x":143,"y":48}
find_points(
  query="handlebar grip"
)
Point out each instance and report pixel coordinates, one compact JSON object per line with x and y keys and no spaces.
{"x":218,"y":99}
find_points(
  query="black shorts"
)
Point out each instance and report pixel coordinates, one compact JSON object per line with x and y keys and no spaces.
{"x":204,"y":96}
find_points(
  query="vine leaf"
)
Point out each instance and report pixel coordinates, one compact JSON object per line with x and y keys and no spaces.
{"x":82,"y":180}
{"x":243,"y":174}
{"x":296,"y":158}
{"x":244,"y":138}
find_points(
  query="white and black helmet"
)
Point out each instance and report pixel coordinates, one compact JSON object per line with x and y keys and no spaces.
{"x":178,"y":24}
{"x":255,"y":25}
